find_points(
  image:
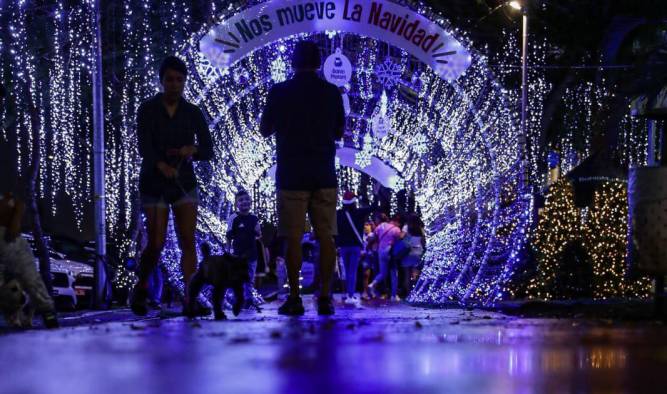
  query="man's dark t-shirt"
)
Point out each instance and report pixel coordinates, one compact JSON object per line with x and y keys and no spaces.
{"x":306,"y":114}
{"x":157,"y":133}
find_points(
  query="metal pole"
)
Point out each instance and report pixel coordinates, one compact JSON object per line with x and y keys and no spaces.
{"x":524,"y":84}
{"x":662,"y":151}
{"x":99,"y":299}
{"x":651,"y":155}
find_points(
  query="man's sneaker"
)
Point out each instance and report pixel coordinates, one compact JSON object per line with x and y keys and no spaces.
{"x":236,"y":308}
{"x":155,"y":305}
{"x":352,"y":301}
{"x":196,"y":309}
{"x":325,"y":306}
{"x":372,"y":290}
{"x":139,"y":302}
{"x":50,"y":320}
{"x":292,"y":307}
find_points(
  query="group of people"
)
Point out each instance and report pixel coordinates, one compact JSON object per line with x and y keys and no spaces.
{"x":383,"y":248}
{"x":306,"y":116}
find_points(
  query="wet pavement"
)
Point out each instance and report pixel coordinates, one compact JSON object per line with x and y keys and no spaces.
{"x":380,"y":348}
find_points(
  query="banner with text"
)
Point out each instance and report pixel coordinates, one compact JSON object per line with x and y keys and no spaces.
{"x":394,"y":24}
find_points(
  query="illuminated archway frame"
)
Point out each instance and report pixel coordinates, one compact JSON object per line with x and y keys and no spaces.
{"x":468,"y":183}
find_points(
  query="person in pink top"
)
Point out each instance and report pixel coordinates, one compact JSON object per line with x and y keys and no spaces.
{"x":387,"y":233}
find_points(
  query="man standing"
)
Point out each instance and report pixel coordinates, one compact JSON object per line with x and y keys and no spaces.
{"x":306,"y":114}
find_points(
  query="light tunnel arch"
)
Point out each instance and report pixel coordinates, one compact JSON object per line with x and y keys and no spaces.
{"x":468,"y":184}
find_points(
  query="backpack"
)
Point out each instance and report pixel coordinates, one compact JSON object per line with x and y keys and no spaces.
{"x":400,"y":249}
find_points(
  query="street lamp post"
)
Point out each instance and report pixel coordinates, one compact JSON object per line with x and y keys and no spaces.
{"x":99,"y":269}
{"x":524,"y":81}
{"x":523,"y":138}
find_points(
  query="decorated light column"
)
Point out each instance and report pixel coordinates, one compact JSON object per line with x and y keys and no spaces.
{"x":98,"y":167}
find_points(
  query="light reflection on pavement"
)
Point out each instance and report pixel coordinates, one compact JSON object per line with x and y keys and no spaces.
{"x":377,"y":349}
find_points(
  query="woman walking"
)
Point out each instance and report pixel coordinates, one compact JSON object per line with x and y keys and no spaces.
{"x":387,"y":234}
{"x":172,"y":133}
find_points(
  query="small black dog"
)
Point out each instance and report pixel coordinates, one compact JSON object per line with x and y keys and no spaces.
{"x":222,"y":272}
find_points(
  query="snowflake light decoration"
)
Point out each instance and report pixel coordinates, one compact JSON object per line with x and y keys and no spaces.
{"x":363,"y":158}
{"x":389,"y":73}
{"x":267,"y":186}
{"x":278,"y":70}
{"x":397,"y":183}
{"x":419,"y":143}
{"x":206,"y":70}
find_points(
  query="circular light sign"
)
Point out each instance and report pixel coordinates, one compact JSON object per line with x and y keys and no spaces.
{"x":338,"y":69}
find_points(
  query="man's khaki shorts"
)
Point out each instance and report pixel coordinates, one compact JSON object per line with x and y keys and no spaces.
{"x":320,"y":206}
